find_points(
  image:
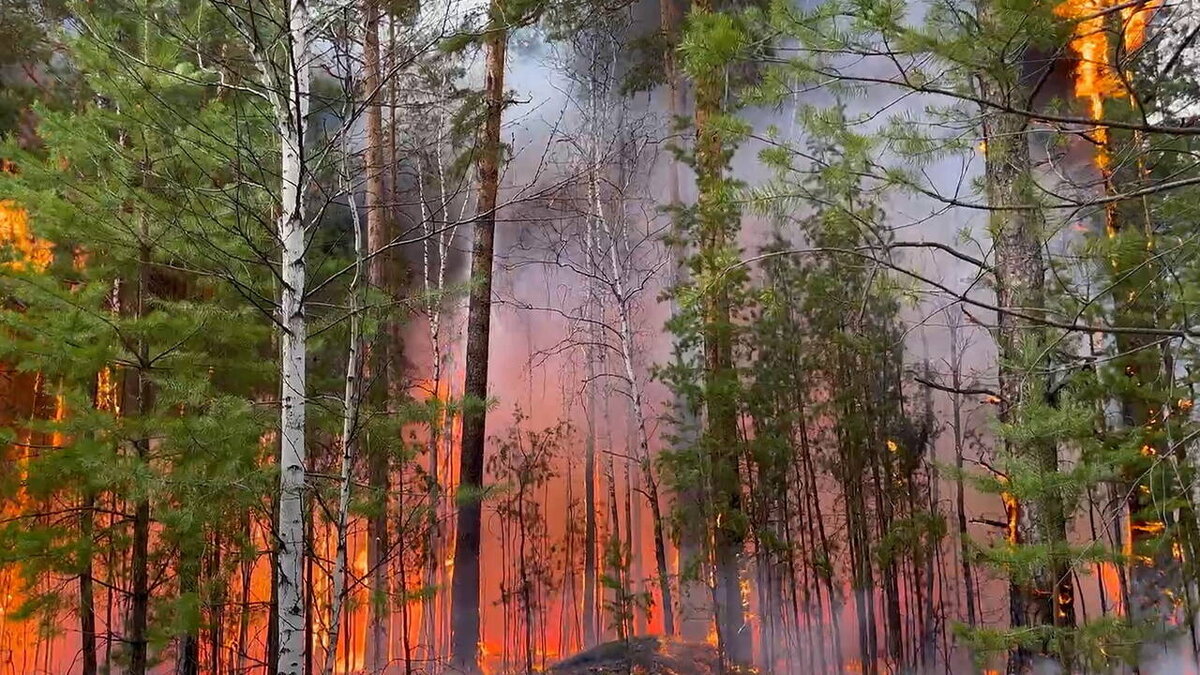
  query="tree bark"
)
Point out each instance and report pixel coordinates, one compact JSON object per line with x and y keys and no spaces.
{"x":1048,"y":598}
{"x":87,"y":597}
{"x":351,"y":398}
{"x":291,"y":119}
{"x":189,"y":583}
{"x":637,"y":412}
{"x":960,"y":505}
{"x":136,"y":393}
{"x":465,"y":587}
{"x":382,"y":361}
{"x":591,"y":631}
{"x":723,"y":438}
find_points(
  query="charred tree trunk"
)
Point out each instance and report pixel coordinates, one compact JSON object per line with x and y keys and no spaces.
{"x":465,"y":589}
{"x":136,"y":394}
{"x":594,"y":312}
{"x":87,"y":593}
{"x":591,"y":631}
{"x":189,"y":641}
{"x":216,"y":609}
{"x":614,"y":557}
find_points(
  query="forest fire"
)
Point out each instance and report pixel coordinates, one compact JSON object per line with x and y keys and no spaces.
{"x":594,"y":338}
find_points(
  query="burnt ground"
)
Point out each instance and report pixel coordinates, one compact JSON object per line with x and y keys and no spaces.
{"x":642,"y":656}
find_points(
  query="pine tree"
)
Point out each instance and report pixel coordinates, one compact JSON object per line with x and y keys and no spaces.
{"x":710,"y":303}
{"x":153,"y":443}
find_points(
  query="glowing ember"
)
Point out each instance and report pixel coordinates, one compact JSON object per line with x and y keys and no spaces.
{"x":1151,"y":528}
{"x":1012,"y":510}
{"x":106,"y":392}
{"x":1110,"y":581}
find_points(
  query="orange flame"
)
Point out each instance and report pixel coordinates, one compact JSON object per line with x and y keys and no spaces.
{"x":34,"y":253}
{"x":1110,"y":579}
{"x":1097,"y":76}
{"x":1012,"y":511}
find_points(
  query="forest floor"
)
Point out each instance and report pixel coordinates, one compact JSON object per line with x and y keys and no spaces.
{"x":642,"y":656}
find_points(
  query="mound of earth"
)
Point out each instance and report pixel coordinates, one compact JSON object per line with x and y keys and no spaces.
{"x":642,"y":656}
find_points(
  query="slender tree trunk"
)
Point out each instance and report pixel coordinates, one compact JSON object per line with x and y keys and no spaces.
{"x":614,"y":556}
{"x":524,"y":583}
{"x":720,"y":373}
{"x":643,"y":440}
{"x":960,"y":505}
{"x":349,"y":440}
{"x":692,"y":604}
{"x":137,"y":400}
{"x":465,"y":588}
{"x":623,"y":298}
{"x":633,"y":575}
{"x":273,"y":606}
{"x":1048,"y":598}
{"x":383,"y":361}
{"x":216,"y":608}
{"x":591,"y":632}
{"x":594,"y":312}
{"x":87,"y":598}
{"x":291,"y":118}
{"x":189,"y":583}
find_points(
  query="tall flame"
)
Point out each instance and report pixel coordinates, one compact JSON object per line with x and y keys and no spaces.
{"x":1098,"y":75}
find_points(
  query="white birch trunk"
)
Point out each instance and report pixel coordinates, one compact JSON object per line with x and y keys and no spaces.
{"x":622,"y":300}
{"x":351,"y":404}
{"x":291,"y":118}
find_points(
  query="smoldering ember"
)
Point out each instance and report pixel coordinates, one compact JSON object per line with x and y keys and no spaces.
{"x":681,"y":337}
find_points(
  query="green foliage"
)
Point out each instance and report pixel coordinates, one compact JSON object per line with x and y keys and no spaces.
{"x":144,"y":209}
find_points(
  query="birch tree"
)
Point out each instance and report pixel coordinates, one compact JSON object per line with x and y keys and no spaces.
{"x":291,"y":115}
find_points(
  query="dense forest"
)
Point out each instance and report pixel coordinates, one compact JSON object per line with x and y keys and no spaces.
{"x":599,"y":336}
